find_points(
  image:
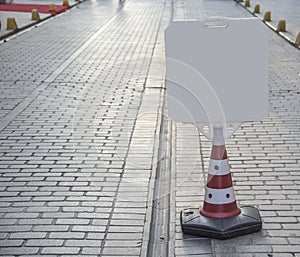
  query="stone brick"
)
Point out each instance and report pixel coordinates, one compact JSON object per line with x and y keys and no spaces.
{"x":27,"y":235}
{"x":44,"y":242}
{"x":61,"y":250}
{"x":67,"y":235}
{"x":19,"y":250}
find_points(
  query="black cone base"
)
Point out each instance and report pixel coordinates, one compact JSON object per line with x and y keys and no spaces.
{"x":248,"y":221}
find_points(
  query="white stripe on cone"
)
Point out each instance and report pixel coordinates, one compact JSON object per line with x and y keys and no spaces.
{"x":218,"y":167}
{"x":219,"y":196}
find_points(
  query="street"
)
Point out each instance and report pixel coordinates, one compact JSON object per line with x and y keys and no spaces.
{"x":90,"y":164}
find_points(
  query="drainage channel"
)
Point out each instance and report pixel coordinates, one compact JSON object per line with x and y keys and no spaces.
{"x":158,"y":244}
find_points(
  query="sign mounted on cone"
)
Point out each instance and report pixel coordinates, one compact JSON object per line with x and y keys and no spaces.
{"x":216,"y":72}
{"x":216,"y":78}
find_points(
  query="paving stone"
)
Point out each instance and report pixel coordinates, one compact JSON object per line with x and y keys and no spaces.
{"x":123,"y":251}
{"x":15,"y":228}
{"x":60,"y":250}
{"x":67,"y":235}
{"x":27,"y":235}
{"x":124,"y":236}
{"x":91,"y":250}
{"x":44,"y":242}
{"x":122,"y":243}
{"x":95,"y":235}
{"x":82,"y":243}
{"x":11,"y":243}
{"x":88,"y":228}
{"x":5,"y":251}
{"x":73,"y":221}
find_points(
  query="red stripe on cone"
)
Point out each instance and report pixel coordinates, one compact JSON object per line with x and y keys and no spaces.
{"x":219,"y":181}
{"x":218,"y":152}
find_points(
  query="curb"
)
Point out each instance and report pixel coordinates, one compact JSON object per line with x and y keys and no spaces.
{"x":270,"y":25}
{"x":4,"y":37}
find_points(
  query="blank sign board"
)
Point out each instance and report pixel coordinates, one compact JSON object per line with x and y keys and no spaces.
{"x":216,"y":70}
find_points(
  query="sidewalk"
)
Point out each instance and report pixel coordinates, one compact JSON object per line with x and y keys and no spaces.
{"x":264,"y":158}
{"x":90,"y":167}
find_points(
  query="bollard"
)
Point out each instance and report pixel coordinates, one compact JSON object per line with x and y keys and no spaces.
{"x":52,"y":7}
{"x":220,"y":216}
{"x":247,"y":3}
{"x":281,"y":26}
{"x":257,"y":8}
{"x":267,"y":16}
{"x":35,"y":16}
{"x":66,"y":3}
{"x":297,"y":42}
{"x":11,"y":24}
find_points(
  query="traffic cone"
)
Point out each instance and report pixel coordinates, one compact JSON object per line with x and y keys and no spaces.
{"x":220,"y":217}
{"x":219,"y":199}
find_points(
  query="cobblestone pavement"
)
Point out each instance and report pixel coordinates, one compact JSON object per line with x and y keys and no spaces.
{"x":82,"y":169}
{"x":79,"y":131}
{"x":264,"y":158}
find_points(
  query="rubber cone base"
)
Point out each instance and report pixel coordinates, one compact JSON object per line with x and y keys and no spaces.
{"x":248,"y":221}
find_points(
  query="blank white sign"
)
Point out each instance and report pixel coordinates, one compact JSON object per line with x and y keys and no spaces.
{"x":216,"y":70}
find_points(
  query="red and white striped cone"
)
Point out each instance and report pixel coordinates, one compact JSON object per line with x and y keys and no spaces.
{"x":219,"y":201}
{"x":220,"y":217}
